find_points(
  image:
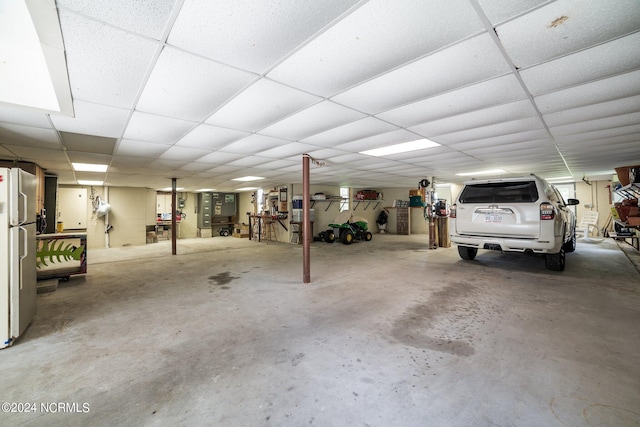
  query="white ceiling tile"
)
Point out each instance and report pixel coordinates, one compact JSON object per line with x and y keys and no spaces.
{"x":315,"y":119}
{"x":500,"y":129}
{"x":211,"y":137}
{"x":254,"y":144}
{"x":249,"y":34}
{"x":348,"y":158}
{"x":463,"y":64}
{"x":377,"y":37}
{"x":525,"y":136}
{"x":601,"y":135}
{"x":82,"y":157}
{"x":284,"y":151}
{"x":367,"y":127}
{"x":566,"y":26}
{"x":91,"y":176}
{"x":126,"y":164}
{"x":152,"y":128}
{"x":615,"y":57}
{"x":29,"y":153}
{"x":617,"y":87}
{"x":323,"y":153}
{"x":148,"y":17}
{"x":615,"y":122}
{"x":189,"y":87}
{"x":23,"y":116}
{"x":28,"y":136}
{"x":504,"y":145}
{"x":248,"y":161}
{"x":375,"y":141}
{"x":93,"y":119}
{"x":488,"y":116}
{"x":196,"y":167}
{"x":106,"y":65}
{"x":168,"y":164}
{"x":129,"y":147}
{"x":220,"y":158}
{"x":5,"y":152}
{"x":263,"y":103}
{"x":596,"y":111}
{"x":501,"y":10}
{"x":278,"y":164}
{"x":184,"y":153}
{"x":482,"y":95}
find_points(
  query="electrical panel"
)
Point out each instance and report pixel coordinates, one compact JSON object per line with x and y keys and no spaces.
{"x":224,"y":204}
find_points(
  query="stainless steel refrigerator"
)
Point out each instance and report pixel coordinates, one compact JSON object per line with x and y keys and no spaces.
{"x":17,"y":253}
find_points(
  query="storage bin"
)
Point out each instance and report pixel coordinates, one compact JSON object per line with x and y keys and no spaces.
{"x":296,"y":215}
{"x":296,"y":202}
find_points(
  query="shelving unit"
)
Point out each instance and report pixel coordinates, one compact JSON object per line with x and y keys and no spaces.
{"x":630,"y":191}
{"x":313,"y":202}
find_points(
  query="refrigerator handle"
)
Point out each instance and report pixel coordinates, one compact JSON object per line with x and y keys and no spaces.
{"x":25,"y":242}
{"x":24,"y":207}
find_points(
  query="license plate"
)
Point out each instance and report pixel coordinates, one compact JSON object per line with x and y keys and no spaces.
{"x":493,"y":218}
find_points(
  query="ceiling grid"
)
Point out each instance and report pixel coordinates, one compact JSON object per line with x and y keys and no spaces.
{"x":209,"y":91}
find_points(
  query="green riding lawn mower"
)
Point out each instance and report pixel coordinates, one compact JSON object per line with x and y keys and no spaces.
{"x":347,"y":228}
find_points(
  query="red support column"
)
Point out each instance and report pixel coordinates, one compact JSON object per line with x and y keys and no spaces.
{"x":173,"y":216}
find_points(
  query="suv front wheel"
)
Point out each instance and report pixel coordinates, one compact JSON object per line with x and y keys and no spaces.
{"x":555,"y":262}
{"x":467,"y":252}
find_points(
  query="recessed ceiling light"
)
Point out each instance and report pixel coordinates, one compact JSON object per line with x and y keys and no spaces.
{"x":560,"y":179}
{"x":419,"y":144}
{"x":171,"y":189}
{"x":88,"y":182}
{"x":34,"y":71}
{"x":89,"y":167}
{"x":485,"y":172}
{"x":248,"y":178}
{"x":202,"y":190}
{"x":246,"y":188}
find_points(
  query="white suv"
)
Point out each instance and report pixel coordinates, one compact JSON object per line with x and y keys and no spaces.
{"x":524,"y":214}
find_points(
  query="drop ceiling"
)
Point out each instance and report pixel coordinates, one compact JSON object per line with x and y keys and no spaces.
{"x":208,"y":91}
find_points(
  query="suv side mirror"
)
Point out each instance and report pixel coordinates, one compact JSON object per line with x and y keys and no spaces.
{"x":573,"y":202}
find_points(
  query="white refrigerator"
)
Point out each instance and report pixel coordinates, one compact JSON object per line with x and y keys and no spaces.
{"x":17,"y":253}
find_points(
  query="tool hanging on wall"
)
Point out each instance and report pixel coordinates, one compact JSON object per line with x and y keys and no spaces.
{"x":428,"y":190}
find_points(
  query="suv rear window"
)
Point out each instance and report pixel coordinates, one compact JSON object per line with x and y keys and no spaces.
{"x":500,"y":192}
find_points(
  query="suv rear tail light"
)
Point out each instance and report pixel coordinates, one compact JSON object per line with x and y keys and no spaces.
{"x":547,"y":211}
{"x":452,"y":211}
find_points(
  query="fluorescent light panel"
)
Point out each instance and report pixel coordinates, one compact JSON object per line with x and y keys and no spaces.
{"x":171,"y":189}
{"x":89,"y":167}
{"x":486,"y":172}
{"x":404,"y":147}
{"x":202,"y":190}
{"x":246,"y":188}
{"x":560,"y":179}
{"x":248,"y":178}
{"x":88,"y":182}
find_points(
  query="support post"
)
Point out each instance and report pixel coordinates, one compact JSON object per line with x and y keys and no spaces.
{"x":306,"y":221}
{"x":173,"y":216}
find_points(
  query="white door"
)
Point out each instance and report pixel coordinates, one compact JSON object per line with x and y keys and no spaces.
{"x":72,"y":207}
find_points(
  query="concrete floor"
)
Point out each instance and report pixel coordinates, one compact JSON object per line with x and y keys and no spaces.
{"x":387,"y":333}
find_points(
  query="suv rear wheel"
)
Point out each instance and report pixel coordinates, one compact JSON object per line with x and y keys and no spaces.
{"x":570,"y":246}
{"x":467,"y":252}
{"x":555,"y":262}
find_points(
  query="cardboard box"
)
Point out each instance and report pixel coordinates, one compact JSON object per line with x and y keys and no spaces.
{"x":241,"y":235}
{"x":633,"y":220}
{"x":152,"y":237}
